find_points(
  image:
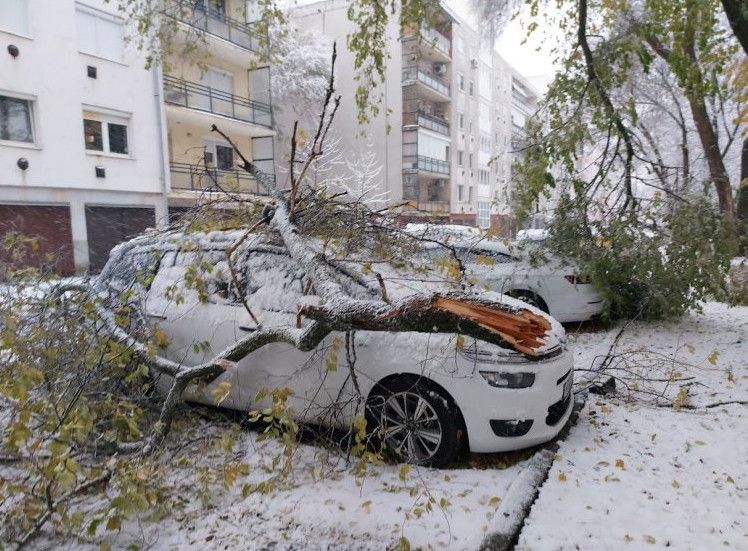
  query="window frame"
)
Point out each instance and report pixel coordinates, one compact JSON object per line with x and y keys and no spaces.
{"x":99,"y":15}
{"x":31,"y":102}
{"x":26,"y":32}
{"x":105,"y":120}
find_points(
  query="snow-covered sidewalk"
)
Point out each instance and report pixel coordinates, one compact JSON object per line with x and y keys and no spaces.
{"x":631,"y":476}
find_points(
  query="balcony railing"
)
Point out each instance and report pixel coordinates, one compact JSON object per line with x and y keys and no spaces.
{"x":437,"y":39}
{"x":215,"y":22}
{"x":204,"y":98}
{"x":192,"y":177}
{"x":427,"y":164}
{"x":435,"y":83}
{"x":425,"y":120}
{"x":440,"y":207}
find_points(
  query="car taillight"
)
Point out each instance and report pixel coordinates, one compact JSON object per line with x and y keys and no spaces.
{"x":578,"y":280}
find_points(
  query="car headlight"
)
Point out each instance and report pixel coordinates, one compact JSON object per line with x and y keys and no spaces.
{"x":503,"y":379}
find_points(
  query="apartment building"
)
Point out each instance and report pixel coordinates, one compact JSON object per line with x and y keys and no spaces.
{"x":94,"y":148}
{"x":221,"y":83}
{"x":452,"y":120}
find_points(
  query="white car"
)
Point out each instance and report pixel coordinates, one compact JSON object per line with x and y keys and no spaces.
{"x":553,"y":285}
{"x":429,"y":396}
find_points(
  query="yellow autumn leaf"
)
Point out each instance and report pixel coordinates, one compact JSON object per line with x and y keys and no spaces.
{"x":712,"y":359}
{"x":495,"y":500}
{"x":366,"y":506}
{"x":562,"y":476}
{"x":675,"y":484}
{"x":649,"y":539}
{"x":620,"y":464}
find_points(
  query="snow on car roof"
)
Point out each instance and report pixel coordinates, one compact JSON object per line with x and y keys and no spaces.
{"x":460,"y":236}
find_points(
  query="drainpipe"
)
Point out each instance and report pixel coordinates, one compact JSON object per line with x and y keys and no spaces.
{"x":165,"y":179}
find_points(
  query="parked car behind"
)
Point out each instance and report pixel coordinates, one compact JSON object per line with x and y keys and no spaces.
{"x":552,"y":284}
{"x":429,"y":395}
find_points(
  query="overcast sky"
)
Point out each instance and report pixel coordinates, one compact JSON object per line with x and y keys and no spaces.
{"x":531,"y":59}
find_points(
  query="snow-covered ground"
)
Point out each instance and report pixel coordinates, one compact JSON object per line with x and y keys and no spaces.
{"x":631,"y":474}
{"x":634,"y":476}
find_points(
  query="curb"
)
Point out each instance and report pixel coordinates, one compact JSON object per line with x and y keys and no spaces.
{"x":515,"y":507}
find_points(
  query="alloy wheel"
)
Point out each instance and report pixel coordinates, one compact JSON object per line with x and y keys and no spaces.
{"x":410,"y":426}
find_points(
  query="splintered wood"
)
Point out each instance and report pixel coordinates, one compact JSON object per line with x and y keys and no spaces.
{"x":524,"y":330}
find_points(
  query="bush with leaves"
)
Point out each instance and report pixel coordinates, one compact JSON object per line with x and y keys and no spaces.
{"x":649,"y":265}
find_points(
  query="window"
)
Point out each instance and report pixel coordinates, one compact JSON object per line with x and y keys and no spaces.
{"x":470,"y":160}
{"x":471,"y":255}
{"x":470,"y":194}
{"x":99,"y":34}
{"x":484,"y":177}
{"x":14,"y":16}
{"x":460,"y":120}
{"x":459,"y":192}
{"x":105,"y":134}
{"x":460,"y":154}
{"x":484,"y":214}
{"x":470,"y":88}
{"x":461,"y":80}
{"x":218,"y":156}
{"x":214,"y":7}
{"x":485,"y":144}
{"x":16,"y":119}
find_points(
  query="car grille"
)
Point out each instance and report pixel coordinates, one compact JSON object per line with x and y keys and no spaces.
{"x":557,"y":410}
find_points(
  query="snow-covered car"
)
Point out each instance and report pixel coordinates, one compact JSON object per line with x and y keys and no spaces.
{"x":552,"y":284}
{"x":429,"y":395}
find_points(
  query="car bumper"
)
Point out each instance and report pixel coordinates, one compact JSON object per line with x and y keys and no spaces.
{"x":496,"y":418}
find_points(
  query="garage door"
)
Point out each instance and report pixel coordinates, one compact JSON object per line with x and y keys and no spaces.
{"x":51,"y":228}
{"x":108,"y":226}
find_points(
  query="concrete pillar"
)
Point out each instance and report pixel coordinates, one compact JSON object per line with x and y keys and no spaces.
{"x":80,"y":236}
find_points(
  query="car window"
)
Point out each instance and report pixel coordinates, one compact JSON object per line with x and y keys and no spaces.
{"x":483,"y":256}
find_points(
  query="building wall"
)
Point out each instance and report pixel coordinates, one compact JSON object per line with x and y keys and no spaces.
{"x":330,"y":18}
{"x":486,"y":115}
{"x":51,"y":70}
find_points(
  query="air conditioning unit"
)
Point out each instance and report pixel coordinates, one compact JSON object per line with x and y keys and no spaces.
{"x":440,"y":68}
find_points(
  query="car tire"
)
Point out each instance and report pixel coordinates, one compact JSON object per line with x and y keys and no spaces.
{"x":430,"y":433}
{"x":530,"y":298}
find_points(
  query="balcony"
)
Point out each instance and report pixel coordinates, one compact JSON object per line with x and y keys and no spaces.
{"x":216,"y":23}
{"x":416,"y":74}
{"x":433,"y":207}
{"x":427,"y":121}
{"x":431,"y":44}
{"x":427,"y":164}
{"x":193,"y":177}
{"x":437,"y":40}
{"x":217,"y":102}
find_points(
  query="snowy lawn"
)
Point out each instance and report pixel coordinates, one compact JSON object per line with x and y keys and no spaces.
{"x":330,"y":508}
{"x":631,"y":476}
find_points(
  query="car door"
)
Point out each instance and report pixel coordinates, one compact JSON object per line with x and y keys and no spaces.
{"x":275,"y":287}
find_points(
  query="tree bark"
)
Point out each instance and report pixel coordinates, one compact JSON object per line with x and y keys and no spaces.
{"x":742,"y":202}
{"x":717,"y":171}
{"x":737,"y":15}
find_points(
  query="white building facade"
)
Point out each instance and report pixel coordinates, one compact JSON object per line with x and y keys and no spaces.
{"x":455,"y":111}
{"x":94,"y":148}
